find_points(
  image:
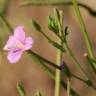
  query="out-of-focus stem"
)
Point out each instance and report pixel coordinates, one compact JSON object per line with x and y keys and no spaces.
{"x":84,"y":31}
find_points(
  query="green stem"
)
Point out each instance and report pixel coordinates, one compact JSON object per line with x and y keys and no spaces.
{"x":45,"y":60}
{"x":69,"y":52}
{"x":88,"y":82}
{"x":51,"y":73}
{"x":58,"y":74}
{"x":84,"y":31}
{"x":78,"y":78}
{"x":42,"y":60}
{"x":51,"y":63}
{"x":68,"y":87}
{"x":62,"y":3}
{"x":58,"y":58}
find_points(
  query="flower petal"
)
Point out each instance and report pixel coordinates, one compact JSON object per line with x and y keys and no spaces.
{"x":28,"y":43}
{"x":11,"y":42}
{"x":14,"y":56}
{"x":19,"y":33}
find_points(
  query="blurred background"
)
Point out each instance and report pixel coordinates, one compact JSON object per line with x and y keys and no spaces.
{"x":26,"y":70}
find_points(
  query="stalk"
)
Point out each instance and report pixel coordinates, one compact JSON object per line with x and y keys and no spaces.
{"x":84,"y":32}
{"x":58,"y":58}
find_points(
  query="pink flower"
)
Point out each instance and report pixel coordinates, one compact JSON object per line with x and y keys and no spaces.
{"x":17,"y":44}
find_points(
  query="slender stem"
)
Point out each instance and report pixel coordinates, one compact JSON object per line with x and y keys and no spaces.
{"x":50,"y":63}
{"x":84,"y":31}
{"x":79,"y":65}
{"x":83,"y":28}
{"x":60,"y":3}
{"x":58,"y":59}
{"x":78,"y":78}
{"x":56,"y":66}
{"x":70,"y":53}
{"x":42,"y":60}
{"x":68,"y":87}
{"x":51,"y":73}
{"x":90,"y":61}
{"x":58,"y":73}
{"x":88,"y":82}
{"x":45,"y":60}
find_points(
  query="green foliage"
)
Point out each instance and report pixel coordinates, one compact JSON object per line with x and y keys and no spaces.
{"x":43,"y":64}
{"x":66,"y":70}
{"x":91,"y":61}
{"x":58,"y":46}
{"x":39,"y":29}
{"x":20,"y":89}
{"x":52,"y":25}
{"x":38,"y":94}
{"x":65,"y":33}
{"x":36,"y":25}
{"x":56,"y":3}
{"x":28,"y":2}
{"x":4,"y":32}
{"x":54,"y":20}
{"x":4,"y":4}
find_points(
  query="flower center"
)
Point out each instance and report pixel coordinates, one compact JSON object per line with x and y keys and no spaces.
{"x":19,"y":44}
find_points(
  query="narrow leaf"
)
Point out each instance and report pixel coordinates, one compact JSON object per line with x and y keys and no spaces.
{"x":66,"y":70}
{"x":20,"y":89}
{"x":38,"y":28}
{"x":65,"y":33}
{"x":52,"y":25}
{"x":50,"y":72}
{"x":38,"y":94}
{"x":36,"y":25}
